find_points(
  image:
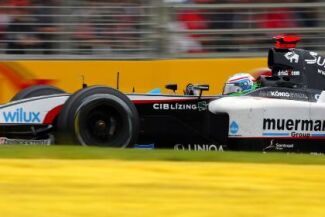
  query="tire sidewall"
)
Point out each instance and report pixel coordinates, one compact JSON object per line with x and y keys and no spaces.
{"x":66,"y":120}
{"x":89,"y":103}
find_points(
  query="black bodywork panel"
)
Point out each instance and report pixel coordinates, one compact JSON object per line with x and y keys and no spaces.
{"x":303,"y":68}
{"x":181,"y":123}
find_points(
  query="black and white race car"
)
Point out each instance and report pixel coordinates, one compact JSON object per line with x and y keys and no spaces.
{"x":285,"y":114}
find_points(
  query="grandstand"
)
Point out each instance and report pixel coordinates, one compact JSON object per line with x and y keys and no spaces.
{"x":144,"y":29}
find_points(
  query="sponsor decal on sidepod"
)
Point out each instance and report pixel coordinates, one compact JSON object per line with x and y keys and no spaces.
{"x":7,"y":141}
{"x":292,"y":57}
{"x":322,"y":72}
{"x":200,"y":106}
{"x":198,"y":147}
{"x":288,"y":73}
{"x":316,"y":60}
{"x":21,"y":116}
{"x":233,"y":128}
{"x":300,"y":128}
{"x":276,"y":146}
{"x":291,"y":95}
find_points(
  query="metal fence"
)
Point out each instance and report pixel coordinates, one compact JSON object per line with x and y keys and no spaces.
{"x":137,"y":29}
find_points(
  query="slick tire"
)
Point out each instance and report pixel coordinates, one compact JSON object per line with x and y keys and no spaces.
{"x":37,"y":90}
{"x":98,"y":116}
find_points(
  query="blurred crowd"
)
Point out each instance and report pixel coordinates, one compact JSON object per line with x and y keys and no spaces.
{"x":25,"y":28}
{"x":234,"y":18}
{"x":36,"y":26}
{"x":22,"y":29}
{"x":107,"y":29}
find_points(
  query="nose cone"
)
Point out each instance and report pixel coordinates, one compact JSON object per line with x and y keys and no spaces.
{"x":226,"y":104}
{"x":234,"y":104}
{"x":218,"y":105}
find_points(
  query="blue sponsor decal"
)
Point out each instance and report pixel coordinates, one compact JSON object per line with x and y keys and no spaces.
{"x":144,"y":146}
{"x":234,"y":127}
{"x":318,"y":134}
{"x":275,"y":134}
{"x":21,"y":116}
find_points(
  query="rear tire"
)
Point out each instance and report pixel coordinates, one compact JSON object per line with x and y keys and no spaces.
{"x":99,"y":116}
{"x":37,"y":90}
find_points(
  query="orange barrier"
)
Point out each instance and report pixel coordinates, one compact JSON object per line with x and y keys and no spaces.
{"x":142,"y":76}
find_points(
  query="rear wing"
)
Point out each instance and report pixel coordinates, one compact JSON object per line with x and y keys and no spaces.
{"x":303,"y":67}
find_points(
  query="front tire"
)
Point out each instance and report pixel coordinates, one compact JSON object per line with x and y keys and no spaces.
{"x":99,"y":116}
{"x":37,"y":90}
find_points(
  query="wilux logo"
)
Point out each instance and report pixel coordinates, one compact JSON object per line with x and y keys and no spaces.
{"x":21,"y":116}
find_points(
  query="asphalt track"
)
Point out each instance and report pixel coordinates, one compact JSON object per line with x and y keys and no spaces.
{"x":98,"y":188}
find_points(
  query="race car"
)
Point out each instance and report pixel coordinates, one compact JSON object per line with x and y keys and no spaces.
{"x":284,"y":112}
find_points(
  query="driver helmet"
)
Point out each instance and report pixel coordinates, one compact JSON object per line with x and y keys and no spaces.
{"x":240,"y":83}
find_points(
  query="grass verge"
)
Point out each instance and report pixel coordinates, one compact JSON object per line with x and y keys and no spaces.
{"x":78,"y":152}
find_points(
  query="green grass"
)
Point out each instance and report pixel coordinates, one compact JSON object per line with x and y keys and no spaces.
{"x":78,"y":152}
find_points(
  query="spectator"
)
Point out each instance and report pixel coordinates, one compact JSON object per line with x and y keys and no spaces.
{"x":277,"y":18}
{"x":109,"y":29}
{"x":86,"y":33}
{"x":46,"y":27}
{"x":4,"y":21}
{"x":193,"y":20}
{"x":19,"y":32}
{"x":182,"y":43}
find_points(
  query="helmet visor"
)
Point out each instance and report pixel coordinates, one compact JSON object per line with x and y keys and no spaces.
{"x":231,"y":88}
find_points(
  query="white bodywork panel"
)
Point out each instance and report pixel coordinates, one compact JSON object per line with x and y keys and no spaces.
{"x":256,"y":117}
{"x":36,"y":109}
{"x":30,"y":111}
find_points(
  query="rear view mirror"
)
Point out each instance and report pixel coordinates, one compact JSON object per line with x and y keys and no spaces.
{"x":202,"y":87}
{"x":172,"y":87}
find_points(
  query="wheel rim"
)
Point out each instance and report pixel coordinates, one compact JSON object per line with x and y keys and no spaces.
{"x":103,"y":125}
